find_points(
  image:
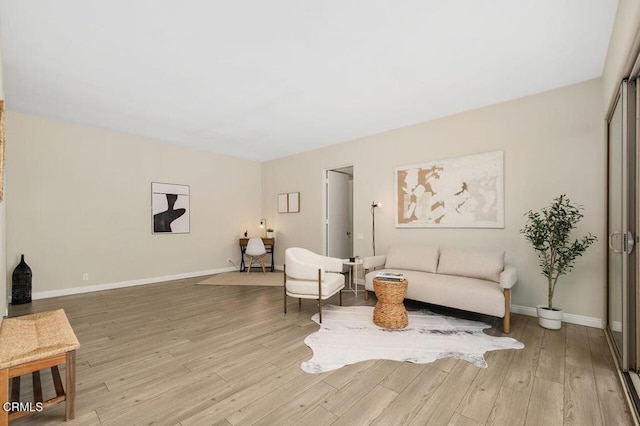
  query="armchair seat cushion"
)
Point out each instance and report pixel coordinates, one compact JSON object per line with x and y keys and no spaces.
{"x":308,"y":289}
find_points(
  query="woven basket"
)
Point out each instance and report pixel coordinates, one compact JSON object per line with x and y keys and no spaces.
{"x":389,"y":311}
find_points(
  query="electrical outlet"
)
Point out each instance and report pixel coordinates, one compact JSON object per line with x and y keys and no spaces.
{"x":85,"y":276}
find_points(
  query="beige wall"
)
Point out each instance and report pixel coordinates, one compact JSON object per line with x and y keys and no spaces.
{"x":78,"y":201}
{"x":623,"y":48}
{"x":553,"y":143}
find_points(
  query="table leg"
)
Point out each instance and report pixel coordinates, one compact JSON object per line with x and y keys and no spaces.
{"x":71,"y":385}
{"x":4,"y":396}
{"x":242,"y":266}
{"x":355,"y":278}
{"x":273,"y":250}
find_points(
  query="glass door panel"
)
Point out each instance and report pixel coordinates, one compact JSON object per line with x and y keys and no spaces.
{"x":621,"y":283}
{"x":615,"y":228}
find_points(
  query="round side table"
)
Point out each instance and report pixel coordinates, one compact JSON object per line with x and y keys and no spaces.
{"x":390,"y":311}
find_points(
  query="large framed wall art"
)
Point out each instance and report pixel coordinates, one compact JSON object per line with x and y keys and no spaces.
{"x":170,"y":208}
{"x":462,"y":192}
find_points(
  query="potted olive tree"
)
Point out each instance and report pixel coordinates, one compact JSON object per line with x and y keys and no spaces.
{"x":549,"y":232}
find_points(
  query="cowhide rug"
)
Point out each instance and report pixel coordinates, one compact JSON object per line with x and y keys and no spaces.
{"x":348,"y":335}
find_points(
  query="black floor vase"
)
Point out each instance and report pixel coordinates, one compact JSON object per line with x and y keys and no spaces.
{"x":21,"y":283}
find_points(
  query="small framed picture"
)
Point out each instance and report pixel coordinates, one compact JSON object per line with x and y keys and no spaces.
{"x":294,"y":202}
{"x":283,"y":203}
{"x":169,"y":208}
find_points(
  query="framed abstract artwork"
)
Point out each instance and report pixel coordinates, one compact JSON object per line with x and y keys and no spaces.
{"x":462,"y":192}
{"x":169,"y":208}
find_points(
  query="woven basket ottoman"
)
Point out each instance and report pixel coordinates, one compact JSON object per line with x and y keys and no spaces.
{"x":390,"y":311}
{"x":31,"y":343}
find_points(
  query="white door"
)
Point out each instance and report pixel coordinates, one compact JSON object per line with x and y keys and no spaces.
{"x":339,"y":241}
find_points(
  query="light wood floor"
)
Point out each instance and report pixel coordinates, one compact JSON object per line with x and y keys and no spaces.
{"x":177,"y":353}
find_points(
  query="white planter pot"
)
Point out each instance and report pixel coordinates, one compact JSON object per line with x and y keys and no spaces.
{"x":269,"y":234}
{"x":549,"y":318}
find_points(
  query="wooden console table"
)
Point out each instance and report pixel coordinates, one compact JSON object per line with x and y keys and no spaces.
{"x":269,"y":245}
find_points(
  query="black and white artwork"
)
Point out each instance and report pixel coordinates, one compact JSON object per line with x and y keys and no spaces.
{"x":170,"y":208}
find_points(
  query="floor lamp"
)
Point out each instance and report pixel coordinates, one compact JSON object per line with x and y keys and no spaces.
{"x":374,"y":205}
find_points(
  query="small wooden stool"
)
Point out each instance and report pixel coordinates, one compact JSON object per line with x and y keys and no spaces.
{"x":31,"y":343}
{"x":390,"y":311}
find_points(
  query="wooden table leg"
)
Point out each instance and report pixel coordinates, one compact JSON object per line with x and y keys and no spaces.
{"x":71,"y":385}
{"x":4,"y":397}
{"x":37,"y":387}
{"x":15,"y":389}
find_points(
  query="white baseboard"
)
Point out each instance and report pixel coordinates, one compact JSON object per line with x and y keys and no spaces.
{"x":122,"y":284}
{"x":616,"y":326}
{"x":569,"y":318}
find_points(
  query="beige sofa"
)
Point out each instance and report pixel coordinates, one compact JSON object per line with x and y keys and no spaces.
{"x":467,"y":279}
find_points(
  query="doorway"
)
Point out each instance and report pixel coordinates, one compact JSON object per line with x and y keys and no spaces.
{"x":622,"y":224}
{"x":338,"y":217}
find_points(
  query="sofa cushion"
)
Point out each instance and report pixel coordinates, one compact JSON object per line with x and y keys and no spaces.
{"x":482,"y":264}
{"x":414,"y":258}
{"x":469,"y":294}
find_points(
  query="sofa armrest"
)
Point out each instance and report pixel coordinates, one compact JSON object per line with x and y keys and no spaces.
{"x":508,"y":276}
{"x":371,"y":262}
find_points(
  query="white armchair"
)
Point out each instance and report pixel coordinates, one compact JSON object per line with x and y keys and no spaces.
{"x":310,"y":276}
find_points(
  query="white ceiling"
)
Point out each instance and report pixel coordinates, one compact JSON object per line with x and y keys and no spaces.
{"x":264,"y":79}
